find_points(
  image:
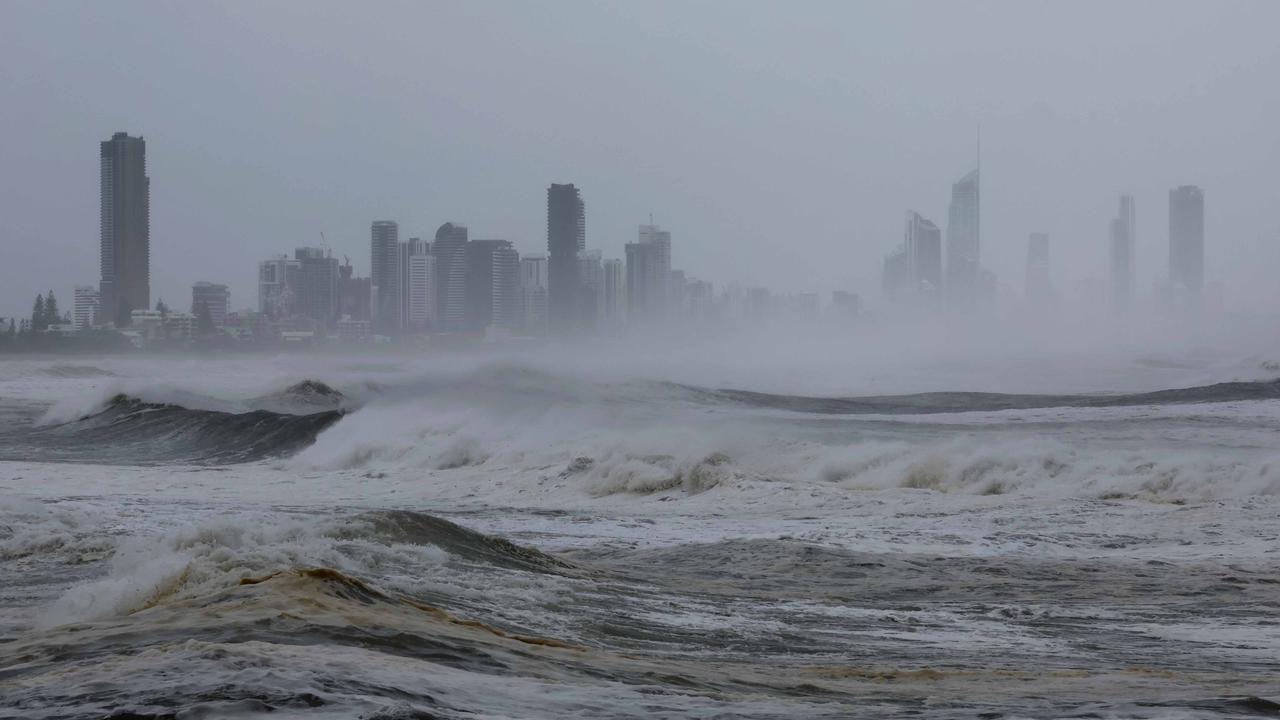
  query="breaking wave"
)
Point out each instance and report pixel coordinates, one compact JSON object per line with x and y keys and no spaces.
{"x":394,"y":614}
{"x":505,"y":434}
{"x":500,"y":432}
{"x":131,"y":430}
{"x":301,"y":398}
{"x":404,"y":550}
{"x":1047,"y":468}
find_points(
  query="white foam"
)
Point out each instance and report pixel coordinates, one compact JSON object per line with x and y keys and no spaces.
{"x":29,"y":528}
{"x":193,"y":561}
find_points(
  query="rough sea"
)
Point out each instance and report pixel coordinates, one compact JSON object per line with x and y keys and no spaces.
{"x":385,"y":537}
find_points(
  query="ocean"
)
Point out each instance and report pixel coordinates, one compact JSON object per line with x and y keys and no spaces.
{"x":518,"y":537}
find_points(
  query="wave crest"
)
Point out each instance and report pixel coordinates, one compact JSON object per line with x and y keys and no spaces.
{"x":127,"y":429}
{"x":1047,"y":469}
{"x":189,"y":563}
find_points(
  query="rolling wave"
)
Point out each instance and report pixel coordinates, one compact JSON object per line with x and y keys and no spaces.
{"x":953,"y":402}
{"x":189,"y":565}
{"x":131,"y":430}
{"x":398,"y":614}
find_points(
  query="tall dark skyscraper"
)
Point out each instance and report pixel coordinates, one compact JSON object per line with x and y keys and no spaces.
{"x":1123,"y":253}
{"x":914,"y":272}
{"x":642,"y":264}
{"x":613,"y":299}
{"x":923,"y":242}
{"x":493,"y":285}
{"x":450,"y":249}
{"x":1186,"y":238}
{"x":407,"y":250}
{"x":385,"y":275}
{"x":566,"y":237}
{"x":316,"y":292}
{"x":964,"y":232}
{"x":533,"y":294}
{"x":125,"y":246}
{"x":660,"y":285}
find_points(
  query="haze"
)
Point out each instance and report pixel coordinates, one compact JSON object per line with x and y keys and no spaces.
{"x":779,"y":143}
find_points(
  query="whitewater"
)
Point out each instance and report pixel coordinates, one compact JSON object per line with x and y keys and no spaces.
{"x":1028,"y":535}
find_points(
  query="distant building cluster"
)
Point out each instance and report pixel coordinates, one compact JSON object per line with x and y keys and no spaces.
{"x":484,"y":288}
{"x":446,"y":285}
{"x":913,"y":276}
{"x":450,"y":285}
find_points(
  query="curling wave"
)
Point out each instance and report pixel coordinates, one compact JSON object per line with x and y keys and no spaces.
{"x":189,"y":565}
{"x":130,"y":430}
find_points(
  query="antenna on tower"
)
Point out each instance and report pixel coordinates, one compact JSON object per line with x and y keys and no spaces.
{"x":979,"y":149}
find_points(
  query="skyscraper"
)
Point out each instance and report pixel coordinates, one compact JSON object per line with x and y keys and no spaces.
{"x":1186,"y":238}
{"x":661,"y":290}
{"x":566,"y":236}
{"x":700,"y":299}
{"x":914,"y":272}
{"x":384,"y":274}
{"x":614,"y":293}
{"x":1123,"y":253}
{"x":642,"y":261}
{"x":406,"y":249}
{"x":492,"y":285}
{"x":923,"y":241}
{"x":591,"y":280}
{"x":533,"y":289}
{"x":649,"y":285}
{"x":316,"y":288}
{"x":421,"y":284}
{"x":125,"y":227}
{"x":676,"y":305}
{"x":1039,"y":283}
{"x":964,"y":232}
{"x":450,"y":249}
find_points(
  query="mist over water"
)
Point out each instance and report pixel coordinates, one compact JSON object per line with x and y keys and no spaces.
{"x":889,"y":524}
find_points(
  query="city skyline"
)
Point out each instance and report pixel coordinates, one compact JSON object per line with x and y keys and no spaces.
{"x":852,"y":138}
{"x":641,"y":285}
{"x":456,"y":284}
{"x":390,"y":258}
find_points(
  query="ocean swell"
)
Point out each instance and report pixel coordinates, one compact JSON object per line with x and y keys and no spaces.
{"x":129,"y":430}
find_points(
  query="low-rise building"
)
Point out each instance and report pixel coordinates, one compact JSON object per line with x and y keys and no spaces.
{"x":214,"y":296}
{"x":349,"y":329}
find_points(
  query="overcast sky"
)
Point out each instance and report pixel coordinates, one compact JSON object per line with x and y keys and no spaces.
{"x":779,"y":142}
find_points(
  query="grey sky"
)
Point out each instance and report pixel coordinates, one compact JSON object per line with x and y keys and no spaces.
{"x":779,"y":142}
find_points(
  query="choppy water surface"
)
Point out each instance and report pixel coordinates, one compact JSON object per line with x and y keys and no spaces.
{"x":503,"y":542}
